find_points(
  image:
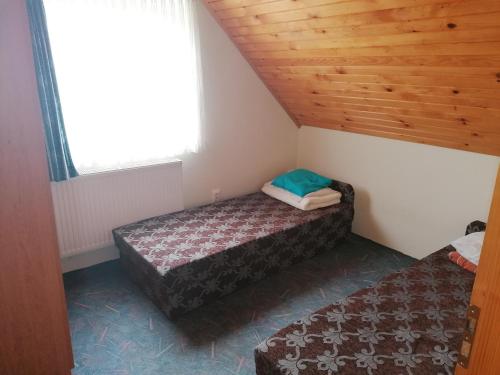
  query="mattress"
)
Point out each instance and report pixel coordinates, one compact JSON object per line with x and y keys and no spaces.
{"x":185,"y":259}
{"x":411,"y":322}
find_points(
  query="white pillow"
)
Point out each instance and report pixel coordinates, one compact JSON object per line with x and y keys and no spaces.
{"x":318,"y":199}
{"x":469,"y":246}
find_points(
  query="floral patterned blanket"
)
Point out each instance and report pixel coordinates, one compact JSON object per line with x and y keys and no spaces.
{"x":411,"y":322}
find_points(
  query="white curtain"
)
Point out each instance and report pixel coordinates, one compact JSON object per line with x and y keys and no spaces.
{"x":128,"y":79}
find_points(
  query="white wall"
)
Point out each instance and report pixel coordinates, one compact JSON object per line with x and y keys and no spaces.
{"x":411,"y":197}
{"x":248,"y":137}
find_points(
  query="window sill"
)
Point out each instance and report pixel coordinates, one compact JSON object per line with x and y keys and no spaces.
{"x":126,"y":170}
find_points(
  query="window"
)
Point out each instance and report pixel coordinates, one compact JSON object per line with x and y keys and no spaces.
{"x":128,"y":79}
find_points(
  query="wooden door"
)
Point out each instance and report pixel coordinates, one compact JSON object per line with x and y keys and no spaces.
{"x":485,"y":354}
{"x":34,"y":332}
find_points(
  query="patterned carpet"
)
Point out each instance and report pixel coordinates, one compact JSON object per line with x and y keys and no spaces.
{"x":115,"y":329}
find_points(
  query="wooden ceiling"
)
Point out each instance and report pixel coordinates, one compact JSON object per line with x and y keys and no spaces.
{"x":425,"y":71}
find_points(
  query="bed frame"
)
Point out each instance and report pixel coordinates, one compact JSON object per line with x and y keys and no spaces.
{"x":189,"y":258}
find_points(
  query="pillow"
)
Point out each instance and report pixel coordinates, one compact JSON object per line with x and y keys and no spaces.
{"x":318,"y":199}
{"x":469,"y":246}
{"x":456,"y":258}
{"x":301,"y":182}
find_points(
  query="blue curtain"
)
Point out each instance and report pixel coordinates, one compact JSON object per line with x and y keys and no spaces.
{"x":61,"y":166}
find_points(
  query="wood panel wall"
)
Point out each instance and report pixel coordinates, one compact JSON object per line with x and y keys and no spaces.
{"x":425,"y":71}
{"x":485,"y":352}
{"x":34,"y":330}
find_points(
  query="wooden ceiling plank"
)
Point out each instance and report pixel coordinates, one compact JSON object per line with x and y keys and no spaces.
{"x":403,"y":96}
{"x":405,"y":14}
{"x":482,"y":134}
{"x":445,"y":49}
{"x":229,"y":4}
{"x":342,"y":8}
{"x":490,"y":71}
{"x":417,"y":38}
{"x":410,"y":99}
{"x":437,"y":61}
{"x":451,"y":25}
{"x":411,"y":120}
{"x":450,"y":108}
{"x":388,"y":87}
{"x":450,"y":136}
{"x":424,"y":114}
{"x":489,"y":82}
{"x":272,"y":7}
{"x":436,"y":128}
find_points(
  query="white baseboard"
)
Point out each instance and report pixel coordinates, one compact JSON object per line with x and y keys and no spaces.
{"x":90,"y":258}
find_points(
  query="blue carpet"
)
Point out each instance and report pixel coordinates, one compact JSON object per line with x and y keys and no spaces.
{"x":115,"y":329}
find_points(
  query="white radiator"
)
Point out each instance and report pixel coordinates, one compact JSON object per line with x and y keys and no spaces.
{"x":88,"y":207}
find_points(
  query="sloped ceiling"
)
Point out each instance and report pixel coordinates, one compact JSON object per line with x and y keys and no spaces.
{"x":425,"y":71}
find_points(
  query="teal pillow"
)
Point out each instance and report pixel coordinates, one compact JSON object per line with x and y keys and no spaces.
{"x":301,"y":182}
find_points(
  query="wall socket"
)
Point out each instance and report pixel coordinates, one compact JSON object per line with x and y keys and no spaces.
{"x":215,"y":194}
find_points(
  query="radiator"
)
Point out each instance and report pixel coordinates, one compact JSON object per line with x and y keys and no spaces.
{"x":88,"y":207}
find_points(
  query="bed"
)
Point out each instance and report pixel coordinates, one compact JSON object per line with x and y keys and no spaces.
{"x":411,"y":322}
{"x":188,"y":258}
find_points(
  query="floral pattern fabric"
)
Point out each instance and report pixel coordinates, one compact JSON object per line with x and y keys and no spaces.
{"x":411,"y":322}
{"x":185,"y":259}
